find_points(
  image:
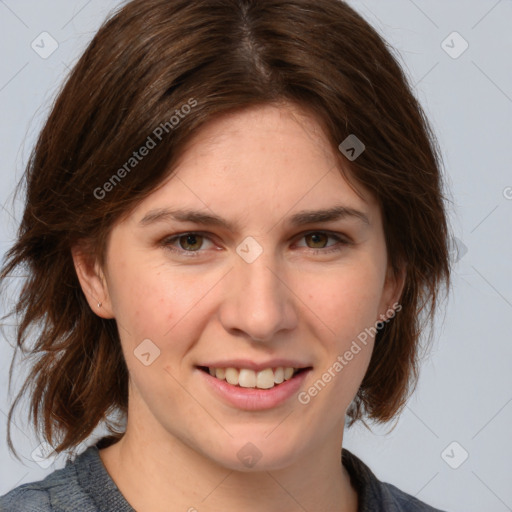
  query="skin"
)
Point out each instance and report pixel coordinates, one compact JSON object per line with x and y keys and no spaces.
{"x":257,"y":168}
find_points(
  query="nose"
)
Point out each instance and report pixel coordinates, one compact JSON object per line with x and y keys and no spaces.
{"x":258,"y":301}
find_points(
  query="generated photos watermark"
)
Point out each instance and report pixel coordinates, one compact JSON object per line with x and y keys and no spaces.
{"x":304,"y":397}
{"x":151,"y":142}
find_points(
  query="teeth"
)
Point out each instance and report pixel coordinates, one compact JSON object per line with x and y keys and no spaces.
{"x":247,"y":378}
{"x":288,"y":373}
{"x":232,"y":376}
{"x":264,"y":379}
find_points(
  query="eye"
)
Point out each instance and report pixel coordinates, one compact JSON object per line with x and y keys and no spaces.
{"x":189,"y":243}
{"x":319,"y":240}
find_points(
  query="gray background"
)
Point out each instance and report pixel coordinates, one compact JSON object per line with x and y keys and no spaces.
{"x":464,"y":394}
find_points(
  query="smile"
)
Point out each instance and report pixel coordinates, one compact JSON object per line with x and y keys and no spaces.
{"x":247,"y":378}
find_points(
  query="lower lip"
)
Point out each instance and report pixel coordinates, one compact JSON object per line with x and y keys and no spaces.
{"x":252,"y":399}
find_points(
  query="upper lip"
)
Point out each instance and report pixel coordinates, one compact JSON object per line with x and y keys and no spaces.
{"x":252,"y":365}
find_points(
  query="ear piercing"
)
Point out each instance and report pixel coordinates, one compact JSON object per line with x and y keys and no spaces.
{"x":99,"y":304}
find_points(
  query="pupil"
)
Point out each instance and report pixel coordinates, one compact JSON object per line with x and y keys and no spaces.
{"x":315,"y":236}
{"x":191,"y":240}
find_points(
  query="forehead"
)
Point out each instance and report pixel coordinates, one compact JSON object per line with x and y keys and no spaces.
{"x":257,"y":162}
{"x":284,"y":127}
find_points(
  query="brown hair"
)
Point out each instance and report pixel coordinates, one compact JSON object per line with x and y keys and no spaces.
{"x":145,"y":63}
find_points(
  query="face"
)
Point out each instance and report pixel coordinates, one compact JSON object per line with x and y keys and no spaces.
{"x":249,"y":282}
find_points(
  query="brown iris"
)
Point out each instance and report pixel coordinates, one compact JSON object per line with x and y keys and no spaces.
{"x":315,"y":237}
{"x":191,"y":240}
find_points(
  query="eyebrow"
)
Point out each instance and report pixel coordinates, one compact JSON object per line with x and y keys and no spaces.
{"x":300,"y":218}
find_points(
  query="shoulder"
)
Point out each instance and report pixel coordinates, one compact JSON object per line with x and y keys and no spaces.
{"x":403,"y":501}
{"x":60,"y":491}
{"x":28,"y":497}
{"x":377,"y":496}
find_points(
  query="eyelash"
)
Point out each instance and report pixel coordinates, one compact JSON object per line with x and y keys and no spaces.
{"x":166,"y":242}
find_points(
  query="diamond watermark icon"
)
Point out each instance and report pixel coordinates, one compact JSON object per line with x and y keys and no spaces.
{"x":44,"y":455}
{"x":454,"y":455}
{"x":454,"y":45}
{"x":146,"y":352}
{"x":457,"y":249}
{"x":249,"y":455}
{"x":352,"y":147}
{"x":249,"y":250}
{"x":44,"y":45}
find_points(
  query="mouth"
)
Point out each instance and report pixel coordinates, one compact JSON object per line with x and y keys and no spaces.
{"x":267,"y":378}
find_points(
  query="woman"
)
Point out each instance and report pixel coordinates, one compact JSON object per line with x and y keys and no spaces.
{"x":234,"y":233}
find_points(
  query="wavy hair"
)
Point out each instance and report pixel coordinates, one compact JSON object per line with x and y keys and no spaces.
{"x":149,"y":59}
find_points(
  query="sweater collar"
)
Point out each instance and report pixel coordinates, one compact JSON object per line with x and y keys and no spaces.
{"x":96,"y":481}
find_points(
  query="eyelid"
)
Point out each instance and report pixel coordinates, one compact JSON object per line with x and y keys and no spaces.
{"x":166,"y":242}
{"x":341,"y":239}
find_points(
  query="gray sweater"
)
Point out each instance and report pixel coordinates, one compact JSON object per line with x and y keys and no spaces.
{"x":84,"y":485}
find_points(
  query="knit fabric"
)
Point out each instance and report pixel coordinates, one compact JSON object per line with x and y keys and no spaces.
{"x":84,"y":485}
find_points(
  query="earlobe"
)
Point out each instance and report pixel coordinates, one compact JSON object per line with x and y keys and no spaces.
{"x":92,"y":281}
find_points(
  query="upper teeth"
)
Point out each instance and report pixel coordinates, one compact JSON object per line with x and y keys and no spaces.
{"x":264,"y":379}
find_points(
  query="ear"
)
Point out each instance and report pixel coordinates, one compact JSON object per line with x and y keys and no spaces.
{"x":93,"y":281}
{"x":392,"y":292}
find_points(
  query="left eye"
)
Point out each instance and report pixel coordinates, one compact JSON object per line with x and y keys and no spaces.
{"x":317,"y":236}
{"x":191,"y":243}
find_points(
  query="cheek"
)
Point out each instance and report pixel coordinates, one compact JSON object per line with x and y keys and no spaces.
{"x":141,"y":295}
{"x":160,"y":304}
{"x":346,"y":300}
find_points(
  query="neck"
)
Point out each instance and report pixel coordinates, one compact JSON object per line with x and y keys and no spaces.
{"x":155,"y":471}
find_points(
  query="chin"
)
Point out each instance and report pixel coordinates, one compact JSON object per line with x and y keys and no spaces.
{"x":254,"y":452}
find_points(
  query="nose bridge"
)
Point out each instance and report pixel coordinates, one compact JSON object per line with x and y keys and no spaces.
{"x":258,"y":301}
{"x":259,"y":278}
